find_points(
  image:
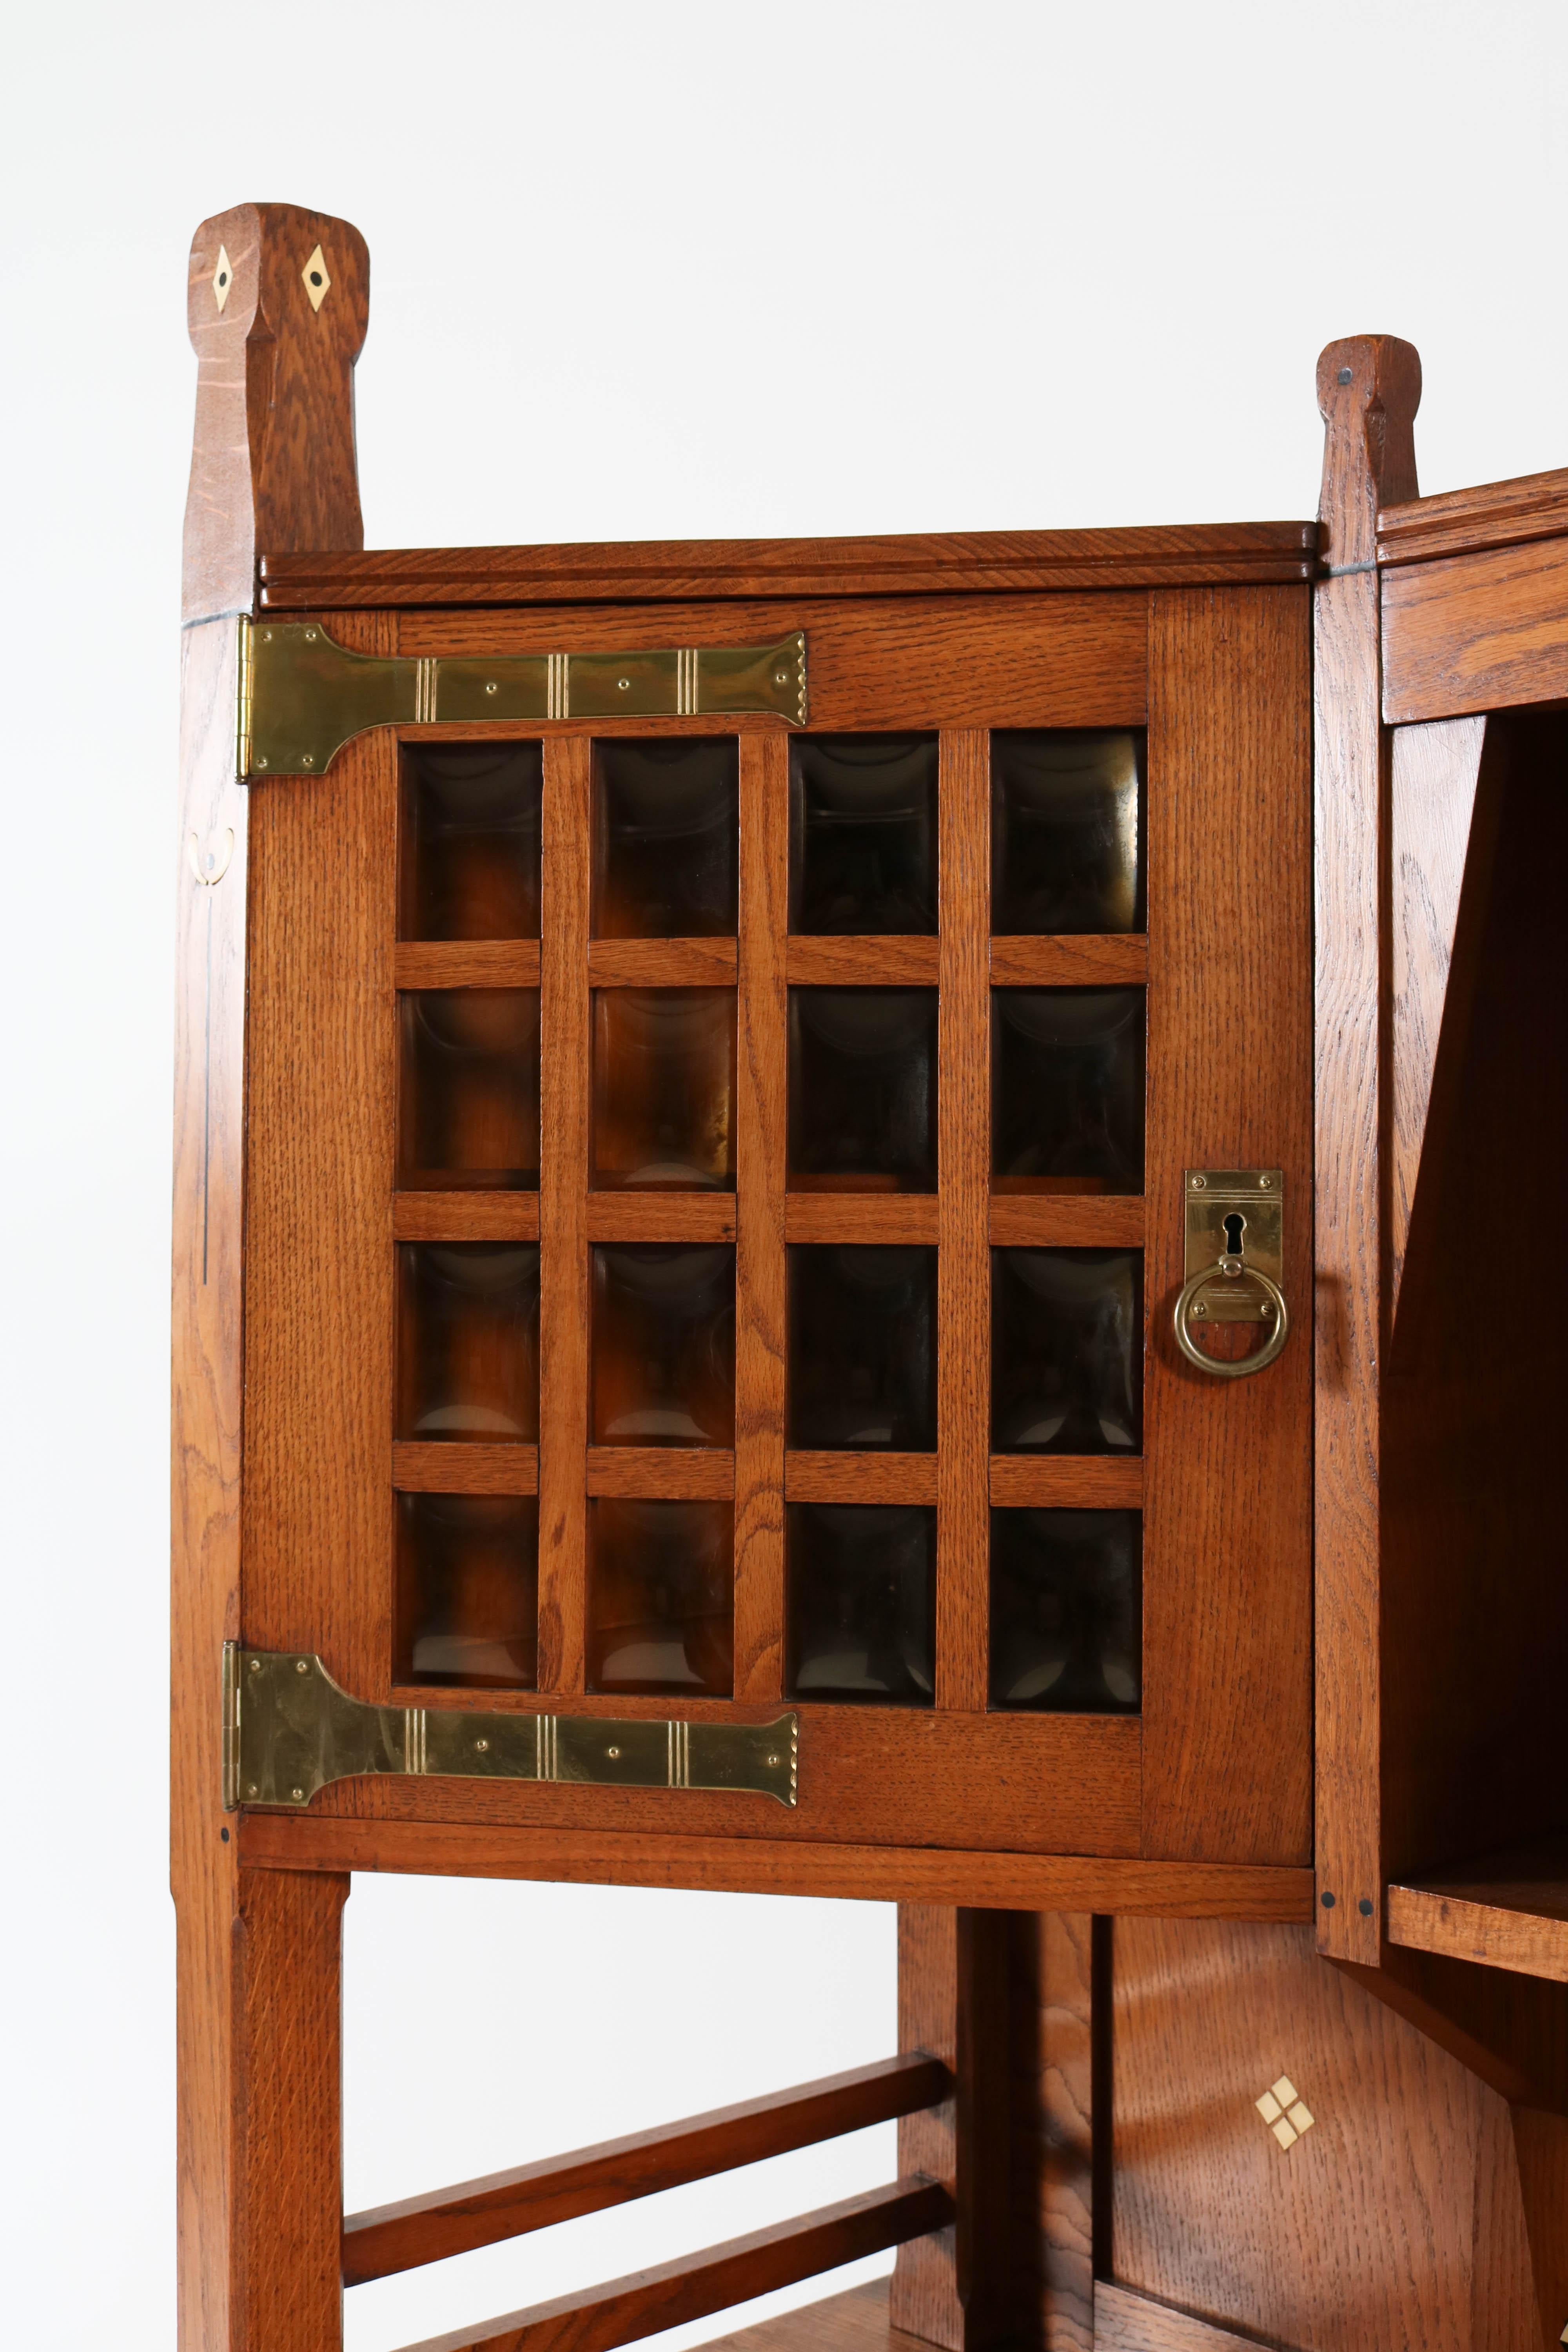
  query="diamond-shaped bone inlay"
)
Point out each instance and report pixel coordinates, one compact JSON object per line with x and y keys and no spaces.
{"x":317,"y":282}
{"x":1285,"y":2112}
{"x":222,"y":276}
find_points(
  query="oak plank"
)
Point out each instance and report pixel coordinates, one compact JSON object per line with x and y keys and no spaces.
{"x":672,"y":2294}
{"x":1127,"y":2322}
{"x":901,"y":1217}
{"x":889,"y":961}
{"x":466,"y":963}
{"x":465,"y":1216}
{"x":964,"y":1199}
{"x":811,"y":1477}
{"x":1066,"y":1220}
{"x":563,"y":1206}
{"x":661,"y":1217}
{"x":1475,"y":633}
{"x":661,"y":963}
{"x":761,"y":1091}
{"x":1114,"y":960}
{"x":466,"y":1469}
{"x":428,"y":2229}
{"x":682,"y":1473}
{"x":1066,"y":1482}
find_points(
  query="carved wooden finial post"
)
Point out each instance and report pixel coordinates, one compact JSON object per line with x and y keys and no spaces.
{"x":279,"y":302}
{"x":1368,"y":389}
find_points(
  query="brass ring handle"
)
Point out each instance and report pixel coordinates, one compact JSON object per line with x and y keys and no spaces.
{"x":1226,"y":1268}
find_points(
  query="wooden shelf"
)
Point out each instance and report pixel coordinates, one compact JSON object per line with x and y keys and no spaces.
{"x":1506,"y":1910}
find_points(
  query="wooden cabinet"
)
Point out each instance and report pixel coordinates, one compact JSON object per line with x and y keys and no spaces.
{"x":686,"y":1191}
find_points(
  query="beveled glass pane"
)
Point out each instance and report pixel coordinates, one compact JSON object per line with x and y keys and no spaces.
{"x":664,"y":1089}
{"x":467,"y":1589}
{"x":863,"y":833}
{"x":660,"y":1597}
{"x":862,"y":1601}
{"x":1065,"y":1610}
{"x":468,"y":1104}
{"x":664,"y":1345}
{"x":470,"y":862}
{"x":1066,"y":848}
{"x":862,"y":1089}
{"x":862,"y":1349}
{"x":665,"y":839}
{"x":1066,"y":1354}
{"x":468,"y":1341}
{"x":1067,"y":1105}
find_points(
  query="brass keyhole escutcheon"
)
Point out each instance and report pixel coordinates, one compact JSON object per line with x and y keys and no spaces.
{"x":1235,"y":1223}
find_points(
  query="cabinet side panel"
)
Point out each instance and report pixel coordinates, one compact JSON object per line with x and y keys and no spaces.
{"x":1227,"y":1512}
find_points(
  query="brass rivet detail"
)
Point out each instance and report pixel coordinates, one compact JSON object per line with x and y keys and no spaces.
{"x":255,"y":1665}
{"x":624,"y":685}
{"x":261,"y":763}
{"x":483,"y":1745}
{"x":310,"y":637}
{"x":1200,"y":1184}
{"x":489,"y":686}
{"x":307,"y":759}
{"x":298,"y":1795}
{"x":250,"y":1788}
{"x":301,"y":1665}
{"x":773,"y":1760}
{"x":781,"y":678}
{"x":612,"y":1753}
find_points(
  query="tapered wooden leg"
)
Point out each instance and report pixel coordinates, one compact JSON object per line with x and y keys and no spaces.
{"x":260,"y":2113}
{"x":954,"y":2288}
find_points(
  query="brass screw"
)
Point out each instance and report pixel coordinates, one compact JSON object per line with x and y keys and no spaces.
{"x":1200,"y":1184}
{"x":773,"y":1760}
{"x":481,"y":1745}
{"x":309,"y":760}
{"x":255,"y":1665}
{"x":310,"y":637}
{"x":1264,"y":1182}
{"x":261,"y":763}
{"x":250,"y":1788}
{"x":781,"y":678}
{"x":624,"y":683}
{"x":612,"y":1753}
{"x":298,"y":1795}
{"x":301,"y":1665}
{"x":490,"y":686}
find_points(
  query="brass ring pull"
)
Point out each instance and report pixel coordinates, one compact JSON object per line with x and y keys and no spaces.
{"x":1226,"y":1269}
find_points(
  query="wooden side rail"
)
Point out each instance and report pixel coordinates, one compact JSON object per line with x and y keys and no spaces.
{"x":400,"y":2237}
{"x":695,"y":2285}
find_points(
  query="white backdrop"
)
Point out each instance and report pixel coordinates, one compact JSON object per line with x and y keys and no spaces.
{"x":638,"y":271}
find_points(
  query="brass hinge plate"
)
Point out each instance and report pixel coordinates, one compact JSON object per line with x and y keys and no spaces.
{"x":1214,"y":1197}
{"x":301,"y":697}
{"x":288,"y":1730}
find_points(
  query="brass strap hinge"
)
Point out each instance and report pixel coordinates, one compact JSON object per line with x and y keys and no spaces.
{"x":288,"y":1730}
{"x":301,"y":698}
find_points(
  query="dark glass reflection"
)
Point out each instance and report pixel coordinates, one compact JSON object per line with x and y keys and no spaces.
{"x":469,"y":1103}
{"x":862,"y":1088}
{"x":468,"y":1346}
{"x":469,"y":865}
{"x":1064,"y":1610}
{"x":1067,"y":832}
{"x":863,"y":833}
{"x":1067,"y":1352}
{"x":862,"y":1601}
{"x":862,"y":1349}
{"x":664,"y":1345}
{"x":661,"y":1607}
{"x":1067,"y":1107}
{"x":467,"y":1589}
{"x":665,"y":839}
{"x":664,"y":1089}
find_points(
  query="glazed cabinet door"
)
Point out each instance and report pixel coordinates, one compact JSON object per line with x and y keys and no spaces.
{"x":717,"y":1200}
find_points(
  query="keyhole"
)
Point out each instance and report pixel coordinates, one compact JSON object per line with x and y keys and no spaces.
{"x":1235,"y":1226}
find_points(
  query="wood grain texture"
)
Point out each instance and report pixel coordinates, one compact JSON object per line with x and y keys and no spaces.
{"x":272,"y":462}
{"x":1066,"y":1221}
{"x":1375,"y":2227}
{"x":646,"y":2301}
{"x":949,"y":2287}
{"x":760,"y":1313}
{"x":854,"y":2322}
{"x":722,"y":1865}
{"x":1026,"y":1783}
{"x":428,"y":2229}
{"x":1368,"y":389}
{"x":466,"y":963}
{"x":661,"y":1217}
{"x":908,"y":1218}
{"x":206,"y":1460}
{"x":661,"y":963}
{"x":1470,"y":633}
{"x":318,"y":1284}
{"x":882,"y":962}
{"x":1540,"y":2158}
{"x":860,"y":1477}
{"x":1227,"y":1713}
{"x":916,"y":562}
{"x":1066,"y":1482}
{"x":964,"y":1198}
{"x":1434,"y":774}
{"x":465,"y":1216}
{"x":1115,"y":961}
{"x":1504,"y":1911}
{"x":1125,"y":2322}
{"x":1459,"y":522}
{"x":466,"y":1469}
{"x":685,"y":1473}
{"x":912,"y":661}
{"x":563,"y":1208}
{"x":1052,"y":2046}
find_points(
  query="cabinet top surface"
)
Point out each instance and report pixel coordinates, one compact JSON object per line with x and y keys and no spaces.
{"x":681,"y":569}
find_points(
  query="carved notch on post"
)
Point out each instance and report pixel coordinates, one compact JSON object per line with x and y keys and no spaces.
{"x":279,"y":303}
